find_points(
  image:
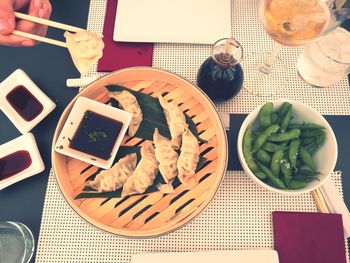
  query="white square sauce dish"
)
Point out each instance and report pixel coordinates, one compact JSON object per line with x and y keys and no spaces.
{"x":93,"y":132}
{"x":23,"y":102}
{"x":19,"y":159}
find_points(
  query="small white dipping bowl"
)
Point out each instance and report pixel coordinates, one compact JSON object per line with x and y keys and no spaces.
{"x":325,"y":158}
{"x":72,"y":124}
{"x":20,"y":78}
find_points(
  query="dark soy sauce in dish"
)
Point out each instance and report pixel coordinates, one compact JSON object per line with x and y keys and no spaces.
{"x":96,"y":135}
{"x":24,"y":103}
{"x":14,"y":163}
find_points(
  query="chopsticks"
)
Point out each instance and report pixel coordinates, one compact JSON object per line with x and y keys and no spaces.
{"x":320,"y":201}
{"x":40,"y":38}
{"x":48,"y":23}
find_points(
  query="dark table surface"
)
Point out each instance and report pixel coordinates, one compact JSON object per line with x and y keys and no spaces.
{"x":49,"y":67}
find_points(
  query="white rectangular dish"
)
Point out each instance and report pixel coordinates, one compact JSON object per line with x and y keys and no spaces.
{"x":27,"y":143}
{"x":16,"y":79}
{"x":169,"y":21}
{"x":239,"y":256}
{"x":81,"y":106}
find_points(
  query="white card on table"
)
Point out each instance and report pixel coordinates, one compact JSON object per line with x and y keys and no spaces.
{"x":237,"y":256}
{"x":172,"y":21}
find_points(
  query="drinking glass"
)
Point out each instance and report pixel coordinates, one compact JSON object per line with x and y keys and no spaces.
{"x":16,"y":243}
{"x":290,"y":23}
{"x":327,"y":60}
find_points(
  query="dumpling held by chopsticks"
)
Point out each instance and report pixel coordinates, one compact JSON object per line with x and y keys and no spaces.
{"x":85,"y":49}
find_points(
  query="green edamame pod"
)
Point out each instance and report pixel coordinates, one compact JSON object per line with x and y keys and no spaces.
{"x":304,"y":126}
{"x":320,"y":139}
{"x":286,"y":171}
{"x":285,"y":136}
{"x":247,"y":149}
{"x":305,"y":178}
{"x":306,"y":158}
{"x":293,"y":152}
{"x":257,"y":133}
{"x":294,"y":184}
{"x":274,"y":179}
{"x":263,"y":156}
{"x":311,"y":132}
{"x":299,"y":163}
{"x":273,"y":147}
{"x":265,"y":115}
{"x":260,"y":175}
{"x":282,"y":111}
{"x":275,"y":162}
{"x":284,"y":144}
{"x":307,"y":140}
{"x":274,"y":117}
{"x":286,"y":119}
{"x":261,"y":139}
{"x":311,"y":148}
{"x":307,"y":172}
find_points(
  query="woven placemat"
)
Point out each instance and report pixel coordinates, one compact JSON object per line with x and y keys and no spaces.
{"x":185,"y":60}
{"x":240,"y":215}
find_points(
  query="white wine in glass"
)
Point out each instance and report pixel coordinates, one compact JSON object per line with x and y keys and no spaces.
{"x":295,"y":22}
{"x":289,"y":23}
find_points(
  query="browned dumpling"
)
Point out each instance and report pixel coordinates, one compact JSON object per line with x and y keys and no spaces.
{"x":145,"y":172}
{"x":114,"y":178}
{"x":166,"y":156}
{"x":176,"y":121}
{"x":189,"y":158}
{"x":129,"y":103}
{"x":85,"y":49}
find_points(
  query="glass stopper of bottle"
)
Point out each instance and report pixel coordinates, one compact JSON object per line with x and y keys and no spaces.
{"x":227,"y":52}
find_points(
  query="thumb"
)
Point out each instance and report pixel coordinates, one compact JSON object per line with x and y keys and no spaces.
{"x":7,"y":18}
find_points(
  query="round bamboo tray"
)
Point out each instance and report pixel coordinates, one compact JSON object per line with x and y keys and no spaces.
{"x":155,"y":213}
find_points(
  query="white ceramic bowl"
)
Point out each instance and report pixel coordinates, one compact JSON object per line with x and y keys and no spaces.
{"x":325,"y":157}
{"x":20,"y":78}
{"x":27,"y":143}
{"x":82,"y":105}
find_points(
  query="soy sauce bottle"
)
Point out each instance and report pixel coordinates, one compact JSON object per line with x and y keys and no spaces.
{"x":221,"y":75}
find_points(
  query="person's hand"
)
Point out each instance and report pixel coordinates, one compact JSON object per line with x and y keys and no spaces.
{"x":38,"y":8}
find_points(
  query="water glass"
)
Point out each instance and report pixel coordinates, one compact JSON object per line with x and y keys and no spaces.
{"x":16,"y":243}
{"x":326,"y":61}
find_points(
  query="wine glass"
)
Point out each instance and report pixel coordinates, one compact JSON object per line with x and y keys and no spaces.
{"x":16,"y":242}
{"x":290,"y":23}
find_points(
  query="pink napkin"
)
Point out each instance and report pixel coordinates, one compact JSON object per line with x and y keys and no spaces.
{"x":309,"y":237}
{"x":117,"y":55}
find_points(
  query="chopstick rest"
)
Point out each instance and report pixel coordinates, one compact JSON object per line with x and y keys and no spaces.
{"x":80,"y":82}
{"x":336,"y":204}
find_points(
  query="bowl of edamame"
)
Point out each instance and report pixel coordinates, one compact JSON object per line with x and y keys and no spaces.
{"x":287,"y":147}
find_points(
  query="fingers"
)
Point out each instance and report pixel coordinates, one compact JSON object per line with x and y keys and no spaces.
{"x":18,"y":4}
{"x":7,"y":25}
{"x":7,"y":19}
{"x":13,"y":40}
{"x":38,"y":8}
